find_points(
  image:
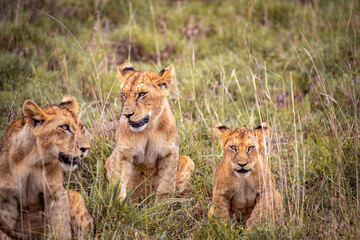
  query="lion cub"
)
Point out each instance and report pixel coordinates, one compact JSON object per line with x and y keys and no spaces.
{"x":244,"y":184}
{"x":33,"y":153}
{"x":146,"y":155}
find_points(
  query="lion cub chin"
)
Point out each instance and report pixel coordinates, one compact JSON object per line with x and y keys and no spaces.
{"x":244,"y":184}
{"x":146,"y":156}
{"x":33,"y":200}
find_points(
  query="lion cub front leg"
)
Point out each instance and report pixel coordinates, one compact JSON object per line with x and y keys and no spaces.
{"x":167,"y":170}
{"x":119,"y":167}
{"x":81,"y":220}
{"x":58,"y":212}
{"x":268,"y":205}
{"x":8,"y":214}
{"x":222,"y":205}
{"x":186,"y":167}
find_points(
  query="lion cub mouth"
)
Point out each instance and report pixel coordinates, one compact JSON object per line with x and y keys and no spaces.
{"x":140,"y":123}
{"x":242,"y":170}
{"x":66,"y":159}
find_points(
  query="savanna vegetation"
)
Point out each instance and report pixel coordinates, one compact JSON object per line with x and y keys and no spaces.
{"x":292,"y":63}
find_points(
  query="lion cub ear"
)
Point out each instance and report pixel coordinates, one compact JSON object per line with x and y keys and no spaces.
{"x":166,"y":77}
{"x":34,"y":114}
{"x":125,"y":70}
{"x":223,"y":132}
{"x":70,"y":103}
{"x":261,"y":132}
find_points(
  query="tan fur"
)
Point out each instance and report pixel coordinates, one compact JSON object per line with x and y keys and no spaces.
{"x":81,"y":219}
{"x":148,"y":154}
{"x":32,"y":195}
{"x":250,"y":195}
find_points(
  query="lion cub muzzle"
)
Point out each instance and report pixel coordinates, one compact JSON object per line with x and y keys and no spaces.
{"x":242,"y":168}
{"x":84,"y":151}
{"x":70,"y":163}
{"x":139,"y":125}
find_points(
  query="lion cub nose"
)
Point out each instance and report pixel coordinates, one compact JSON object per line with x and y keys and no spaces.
{"x":128,"y":115}
{"x":242,"y":165}
{"x":84,"y":149}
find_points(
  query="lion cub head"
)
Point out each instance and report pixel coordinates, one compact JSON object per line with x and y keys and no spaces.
{"x":59,"y":131}
{"x":242,"y":147}
{"x":143,"y":95}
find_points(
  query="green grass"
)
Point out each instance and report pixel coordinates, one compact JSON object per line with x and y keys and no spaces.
{"x":237,"y":62}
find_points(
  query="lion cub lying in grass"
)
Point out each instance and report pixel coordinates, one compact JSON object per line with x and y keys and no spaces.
{"x":146,"y":155}
{"x":244,"y":184}
{"x":33,"y":152}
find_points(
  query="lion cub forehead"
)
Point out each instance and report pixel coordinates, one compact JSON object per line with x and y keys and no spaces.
{"x":69,"y":119}
{"x":139,"y":81}
{"x":142,"y":76}
{"x":62,"y":114}
{"x":148,"y":74}
{"x":136,"y":87}
{"x":243,"y":134}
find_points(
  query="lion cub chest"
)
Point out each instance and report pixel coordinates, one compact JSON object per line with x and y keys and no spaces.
{"x":243,"y":201}
{"x":149,"y":152}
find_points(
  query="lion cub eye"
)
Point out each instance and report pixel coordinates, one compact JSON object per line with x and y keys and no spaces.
{"x":142,"y":94}
{"x":65,"y":127}
{"x":251,"y":148}
{"x":233,"y":148}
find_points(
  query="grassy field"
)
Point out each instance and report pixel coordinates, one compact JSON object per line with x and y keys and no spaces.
{"x":292,"y":63}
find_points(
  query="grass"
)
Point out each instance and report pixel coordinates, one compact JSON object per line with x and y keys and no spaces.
{"x":292,"y":63}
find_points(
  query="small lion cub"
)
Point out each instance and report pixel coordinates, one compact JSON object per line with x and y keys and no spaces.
{"x":146,"y":156}
{"x":244,"y":184}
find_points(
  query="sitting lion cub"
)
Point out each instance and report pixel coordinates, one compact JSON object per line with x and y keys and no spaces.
{"x":244,"y":184}
{"x":33,"y":153}
{"x":146,"y":155}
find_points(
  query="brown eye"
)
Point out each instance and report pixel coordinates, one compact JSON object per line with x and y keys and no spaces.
{"x":233,"y":148}
{"x":142,"y":94}
{"x":65,"y":127}
{"x":251,"y":148}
